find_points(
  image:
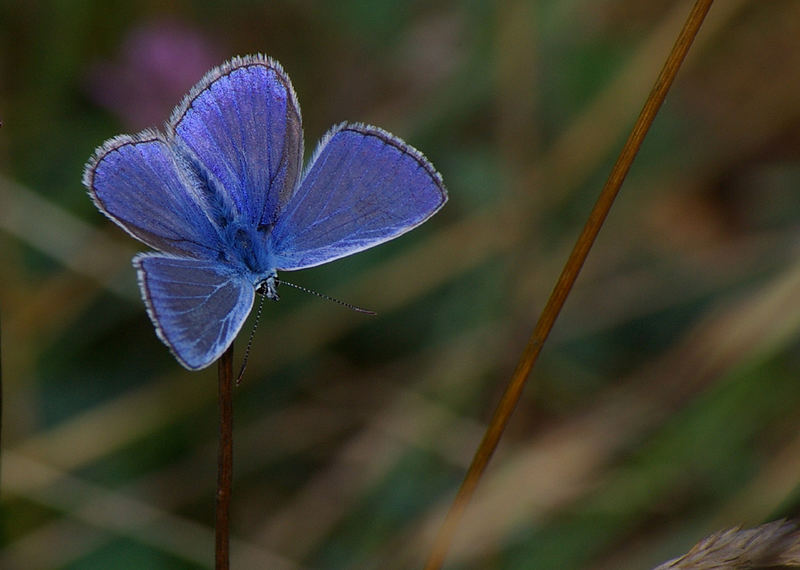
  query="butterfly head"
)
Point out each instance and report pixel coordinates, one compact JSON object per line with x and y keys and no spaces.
{"x":269,"y":287}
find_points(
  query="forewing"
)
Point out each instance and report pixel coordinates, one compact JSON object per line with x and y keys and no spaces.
{"x":196,"y":306}
{"x":137,"y":182}
{"x":363,"y":187}
{"x":240,"y":128}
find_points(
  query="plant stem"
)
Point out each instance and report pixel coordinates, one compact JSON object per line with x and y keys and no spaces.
{"x":564,"y":284}
{"x":224,"y":461}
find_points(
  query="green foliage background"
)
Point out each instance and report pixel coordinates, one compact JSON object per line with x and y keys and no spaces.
{"x":665,"y":403}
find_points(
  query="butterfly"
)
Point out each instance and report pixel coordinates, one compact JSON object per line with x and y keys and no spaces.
{"x":222,"y":196}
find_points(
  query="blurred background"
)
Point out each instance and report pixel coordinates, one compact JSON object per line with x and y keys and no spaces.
{"x":665,"y":404}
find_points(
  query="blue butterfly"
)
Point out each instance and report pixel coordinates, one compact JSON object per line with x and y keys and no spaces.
{"x":222,"y":195}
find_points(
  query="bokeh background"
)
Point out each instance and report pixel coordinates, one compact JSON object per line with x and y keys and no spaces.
{"x":665,"y":404}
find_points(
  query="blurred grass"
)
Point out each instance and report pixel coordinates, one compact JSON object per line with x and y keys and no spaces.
{"x":663,"y":408}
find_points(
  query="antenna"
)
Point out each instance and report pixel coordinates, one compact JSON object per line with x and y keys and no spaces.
{"x":327,"y":297}
{"x":250,"y":341}
{"x":265,"y":293}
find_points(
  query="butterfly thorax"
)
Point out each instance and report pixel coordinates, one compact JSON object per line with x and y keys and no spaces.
{"x":247,"y":248}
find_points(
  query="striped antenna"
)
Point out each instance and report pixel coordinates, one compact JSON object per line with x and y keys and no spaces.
{"x":327,"y":297}
{"x":261,"y":307}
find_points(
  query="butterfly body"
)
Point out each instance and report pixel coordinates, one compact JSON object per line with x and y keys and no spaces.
{"x":221,"y":195}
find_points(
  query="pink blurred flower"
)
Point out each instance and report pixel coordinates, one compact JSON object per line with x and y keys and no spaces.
{"x":158,"y":63}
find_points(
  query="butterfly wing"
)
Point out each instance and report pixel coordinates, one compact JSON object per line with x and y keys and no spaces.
{"x":137,"y":182}
{"x":240,"y":129}
{"x":363,"y":187}
{"x":197,"y":306}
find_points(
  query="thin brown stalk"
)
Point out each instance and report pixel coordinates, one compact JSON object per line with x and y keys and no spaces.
{"x":224,"y":461}
{"x":568,"y":276}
